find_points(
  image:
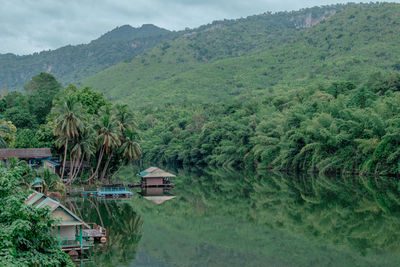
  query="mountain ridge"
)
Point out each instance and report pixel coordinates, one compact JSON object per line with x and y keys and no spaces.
{"x":246,"y":57}
{"x":72,"y":63}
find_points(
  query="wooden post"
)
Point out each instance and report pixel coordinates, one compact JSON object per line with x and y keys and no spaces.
{"x":59,"y":236}
{"x":80,"y":237}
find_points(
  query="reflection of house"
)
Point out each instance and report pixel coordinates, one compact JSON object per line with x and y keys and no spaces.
{"x":156,"y":194}
{"x":33,"y":156}
{"x":69,"y":229}
{"x":154,"y":176}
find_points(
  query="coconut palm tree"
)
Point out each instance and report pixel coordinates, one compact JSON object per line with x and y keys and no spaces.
{"x":82,"y":149}
{"x":51,"y":181}
{"x":130,"y":149}
{"x":68,"y":123}
{"x":108,"y":137}
{"x":125,"y":118}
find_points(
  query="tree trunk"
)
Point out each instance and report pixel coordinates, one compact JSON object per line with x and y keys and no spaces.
{"x":98,"y":163}
{"x":115,"y":173}
{"x":64,"y":160}
{"x":77,"y":169}
{"x":72,"y":165}
{"x":105,"y":167}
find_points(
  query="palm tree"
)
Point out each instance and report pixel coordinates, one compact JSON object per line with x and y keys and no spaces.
{"x":4,"y":129}
{"x":51,"y":181}
{"x":108,"y":137}
{"x":83,"y":148}
{"x":68,"y":123}
{"x":125,"y":118}
{"x":130,"y":149}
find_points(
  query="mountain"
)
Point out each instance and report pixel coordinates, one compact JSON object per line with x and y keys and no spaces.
{"x":316,"y":90}
{"x":146,"y":76}
{"x":254,"y":55}
{"x":70,"y":64}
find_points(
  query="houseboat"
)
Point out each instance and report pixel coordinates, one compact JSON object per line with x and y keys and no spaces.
{"x":155,"y":177}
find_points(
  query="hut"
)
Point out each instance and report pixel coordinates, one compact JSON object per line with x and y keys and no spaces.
{"x":33,"y":156}
{"x":52,"y":165}
{"x":37,"y":185}
{"x":69,"y":229}
{"x":154,"y":177}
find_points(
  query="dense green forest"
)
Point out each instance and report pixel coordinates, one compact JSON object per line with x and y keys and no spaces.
{"x":251,"y":57}
{"x":73,"y":63}
{"x":79,"y":124}
{"x":192,"y":67}
{"x":313,"y":90}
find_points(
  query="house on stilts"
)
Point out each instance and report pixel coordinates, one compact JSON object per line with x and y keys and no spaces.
{"x":72,"y":232}
{"x":155,"y":177}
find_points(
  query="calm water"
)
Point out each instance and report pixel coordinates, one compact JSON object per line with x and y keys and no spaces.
{"x":225,"y":218}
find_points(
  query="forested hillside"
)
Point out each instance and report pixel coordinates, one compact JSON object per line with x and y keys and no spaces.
{"x":313,"y":90}
{"x":324,"y":100}
{"x":262,"y":54}
{"x":193,"y":67}
{"x":73,"y":63}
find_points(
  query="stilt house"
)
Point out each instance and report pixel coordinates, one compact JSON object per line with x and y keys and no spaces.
{"x":69,"y":230}
{"x":154,"y":176}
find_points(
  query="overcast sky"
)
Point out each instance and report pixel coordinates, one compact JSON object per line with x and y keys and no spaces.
{"x":28,"y":26}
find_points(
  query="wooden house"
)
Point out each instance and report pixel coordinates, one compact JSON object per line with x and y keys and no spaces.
{"x":33,"y":156}
{"x":154,"y":177}
{"x":70,"y":228}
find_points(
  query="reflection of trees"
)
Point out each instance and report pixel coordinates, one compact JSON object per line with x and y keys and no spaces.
{"x":360,"y":212}
{"x":123,"y":229}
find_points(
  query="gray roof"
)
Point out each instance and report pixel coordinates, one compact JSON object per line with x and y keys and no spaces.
{"x":25,"y":153}
{"x":154,"y":172}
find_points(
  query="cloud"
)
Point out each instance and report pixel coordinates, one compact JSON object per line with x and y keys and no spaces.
{"x":31,"y":26}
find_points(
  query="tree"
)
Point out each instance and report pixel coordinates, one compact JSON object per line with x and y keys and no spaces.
{"x":41,"y":90}
{"x":25,"y":231}
{"x":130,"y":149}
{"x":4,"y":130}
{"x":68,"y":123}
{"x":108,"y":139}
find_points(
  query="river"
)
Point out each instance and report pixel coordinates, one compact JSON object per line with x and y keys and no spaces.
{"x":228,"y":218}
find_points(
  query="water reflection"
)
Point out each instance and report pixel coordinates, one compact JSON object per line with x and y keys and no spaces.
{"x":157,"y":195}
{"x":224,"y":217}
{"x":360,"y":212}
{"x":123,"y":227}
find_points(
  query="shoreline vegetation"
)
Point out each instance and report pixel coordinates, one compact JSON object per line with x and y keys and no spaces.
{"x":321,"y":98}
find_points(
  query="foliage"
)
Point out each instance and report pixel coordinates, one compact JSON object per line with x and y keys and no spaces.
{"x":73,"y":63}
{"x":25,"y":230}
{"x":321,"y":129}
{"x":246,"y":58}
{"x":88,"y":128}
{"x":5,"y":133}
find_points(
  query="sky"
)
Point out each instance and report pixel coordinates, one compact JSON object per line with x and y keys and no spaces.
{"x":28,"y":26}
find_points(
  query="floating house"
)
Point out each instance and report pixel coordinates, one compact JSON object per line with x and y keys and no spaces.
{"x":155,"y":177}
{"x":70,"y":230}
